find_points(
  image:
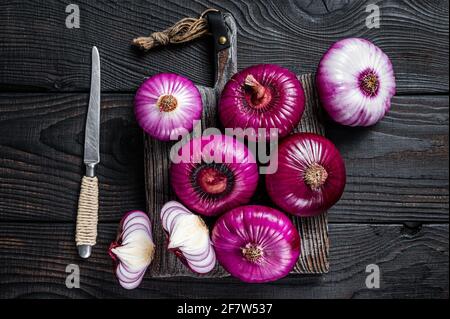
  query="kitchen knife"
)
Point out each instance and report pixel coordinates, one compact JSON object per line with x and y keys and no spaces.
{"x":87,"y":217}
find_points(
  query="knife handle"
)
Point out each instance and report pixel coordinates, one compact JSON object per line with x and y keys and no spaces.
{"x":87,"y":217}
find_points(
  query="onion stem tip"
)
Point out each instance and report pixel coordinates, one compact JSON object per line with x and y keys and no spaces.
{"x":315,"y":176}
{"x":167,"y":103}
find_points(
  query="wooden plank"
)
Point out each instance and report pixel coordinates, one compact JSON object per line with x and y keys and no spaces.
{"x":37,"y":51}
{"x":41,"y":139}
{"x":397,"y":170}
{"x":41,"y":147}
{"x":315,"y":244}
{"x":413,"y":263}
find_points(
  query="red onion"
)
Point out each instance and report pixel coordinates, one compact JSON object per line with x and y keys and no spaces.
{"x":310,"y":177}
{"x":188,"y":237}
{"x":256,"y":244}
{"x":167,"y":105}
{"x":356,"y":82}
{"x":133,"y":251}
{"x":216,"y":174}
{"x":263,"y":96}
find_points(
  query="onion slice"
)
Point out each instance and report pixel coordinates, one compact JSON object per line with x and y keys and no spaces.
{"x":188,"y":237}
{"x":134,"y":250}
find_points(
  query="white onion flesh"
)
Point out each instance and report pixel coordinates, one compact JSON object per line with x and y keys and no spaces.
{"x":188,"y":235}
{"x":134,"y":249}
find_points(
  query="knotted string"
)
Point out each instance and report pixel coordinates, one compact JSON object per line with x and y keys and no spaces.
{"x":87,"y":217}
{"x":183,"y":31}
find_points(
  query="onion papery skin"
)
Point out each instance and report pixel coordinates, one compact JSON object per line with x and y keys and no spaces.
{"x":237,"y":174}
{"x":341,"y":86}
{"x":174,"y":118}
{"x":282,"y":109}
{"x":298,"y":156}
{"x":267,"y":230}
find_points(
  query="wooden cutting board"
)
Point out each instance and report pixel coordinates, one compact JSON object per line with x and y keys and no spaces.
{"x":313,"y":231}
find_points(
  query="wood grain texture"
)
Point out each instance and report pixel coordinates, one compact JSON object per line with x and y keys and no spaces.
{"x":399,"y":165}
{"x":413,"y":263}
{"x":315,"y":242}
{"x":397,"y":170}
{"x":37,"y":51}
{"x":41,"y":162}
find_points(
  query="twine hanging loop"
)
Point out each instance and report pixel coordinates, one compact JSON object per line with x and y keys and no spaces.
{"x":185,"y":30}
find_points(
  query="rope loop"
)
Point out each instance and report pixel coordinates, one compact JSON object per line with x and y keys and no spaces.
{"x":185,"y":30}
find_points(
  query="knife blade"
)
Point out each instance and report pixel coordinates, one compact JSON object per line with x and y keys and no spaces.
{"x":92,"y":135}
{"x":87,"y":217}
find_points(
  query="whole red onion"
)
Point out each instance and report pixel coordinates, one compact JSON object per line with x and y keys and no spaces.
{"x":356,"y":82}
{"x":263,"y":96}
{"x":167,"y":105}
{"x":310,"y":177}
{"x":215,"y":174}
{"x":256,"y":244}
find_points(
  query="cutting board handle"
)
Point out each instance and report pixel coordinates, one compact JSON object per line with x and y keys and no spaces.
{"x":226,"y":59}
{"x":225,"y":51}
{"x":223,"y":29}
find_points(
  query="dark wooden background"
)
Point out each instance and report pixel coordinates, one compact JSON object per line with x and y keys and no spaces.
{"x":395,"y":209}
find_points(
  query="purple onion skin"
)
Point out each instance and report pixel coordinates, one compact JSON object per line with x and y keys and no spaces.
{"x":168,"y":124}
{"x":266,"y":228}
{"x":341,"y":86}
{"x":239,"y":182}
{"x":289,"y":188}
{"x":283,"y":109}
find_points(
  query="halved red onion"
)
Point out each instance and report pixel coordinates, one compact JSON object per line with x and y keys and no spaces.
{"x":263,"y":96}
{"x":216,"y":174}
{"x":356,"y":82}
{"x":188,"y":237}
{"x":167,"y":105}
{"x":133,"y":251}
{"x":310,"y":177}
{"x":256,"y":244}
